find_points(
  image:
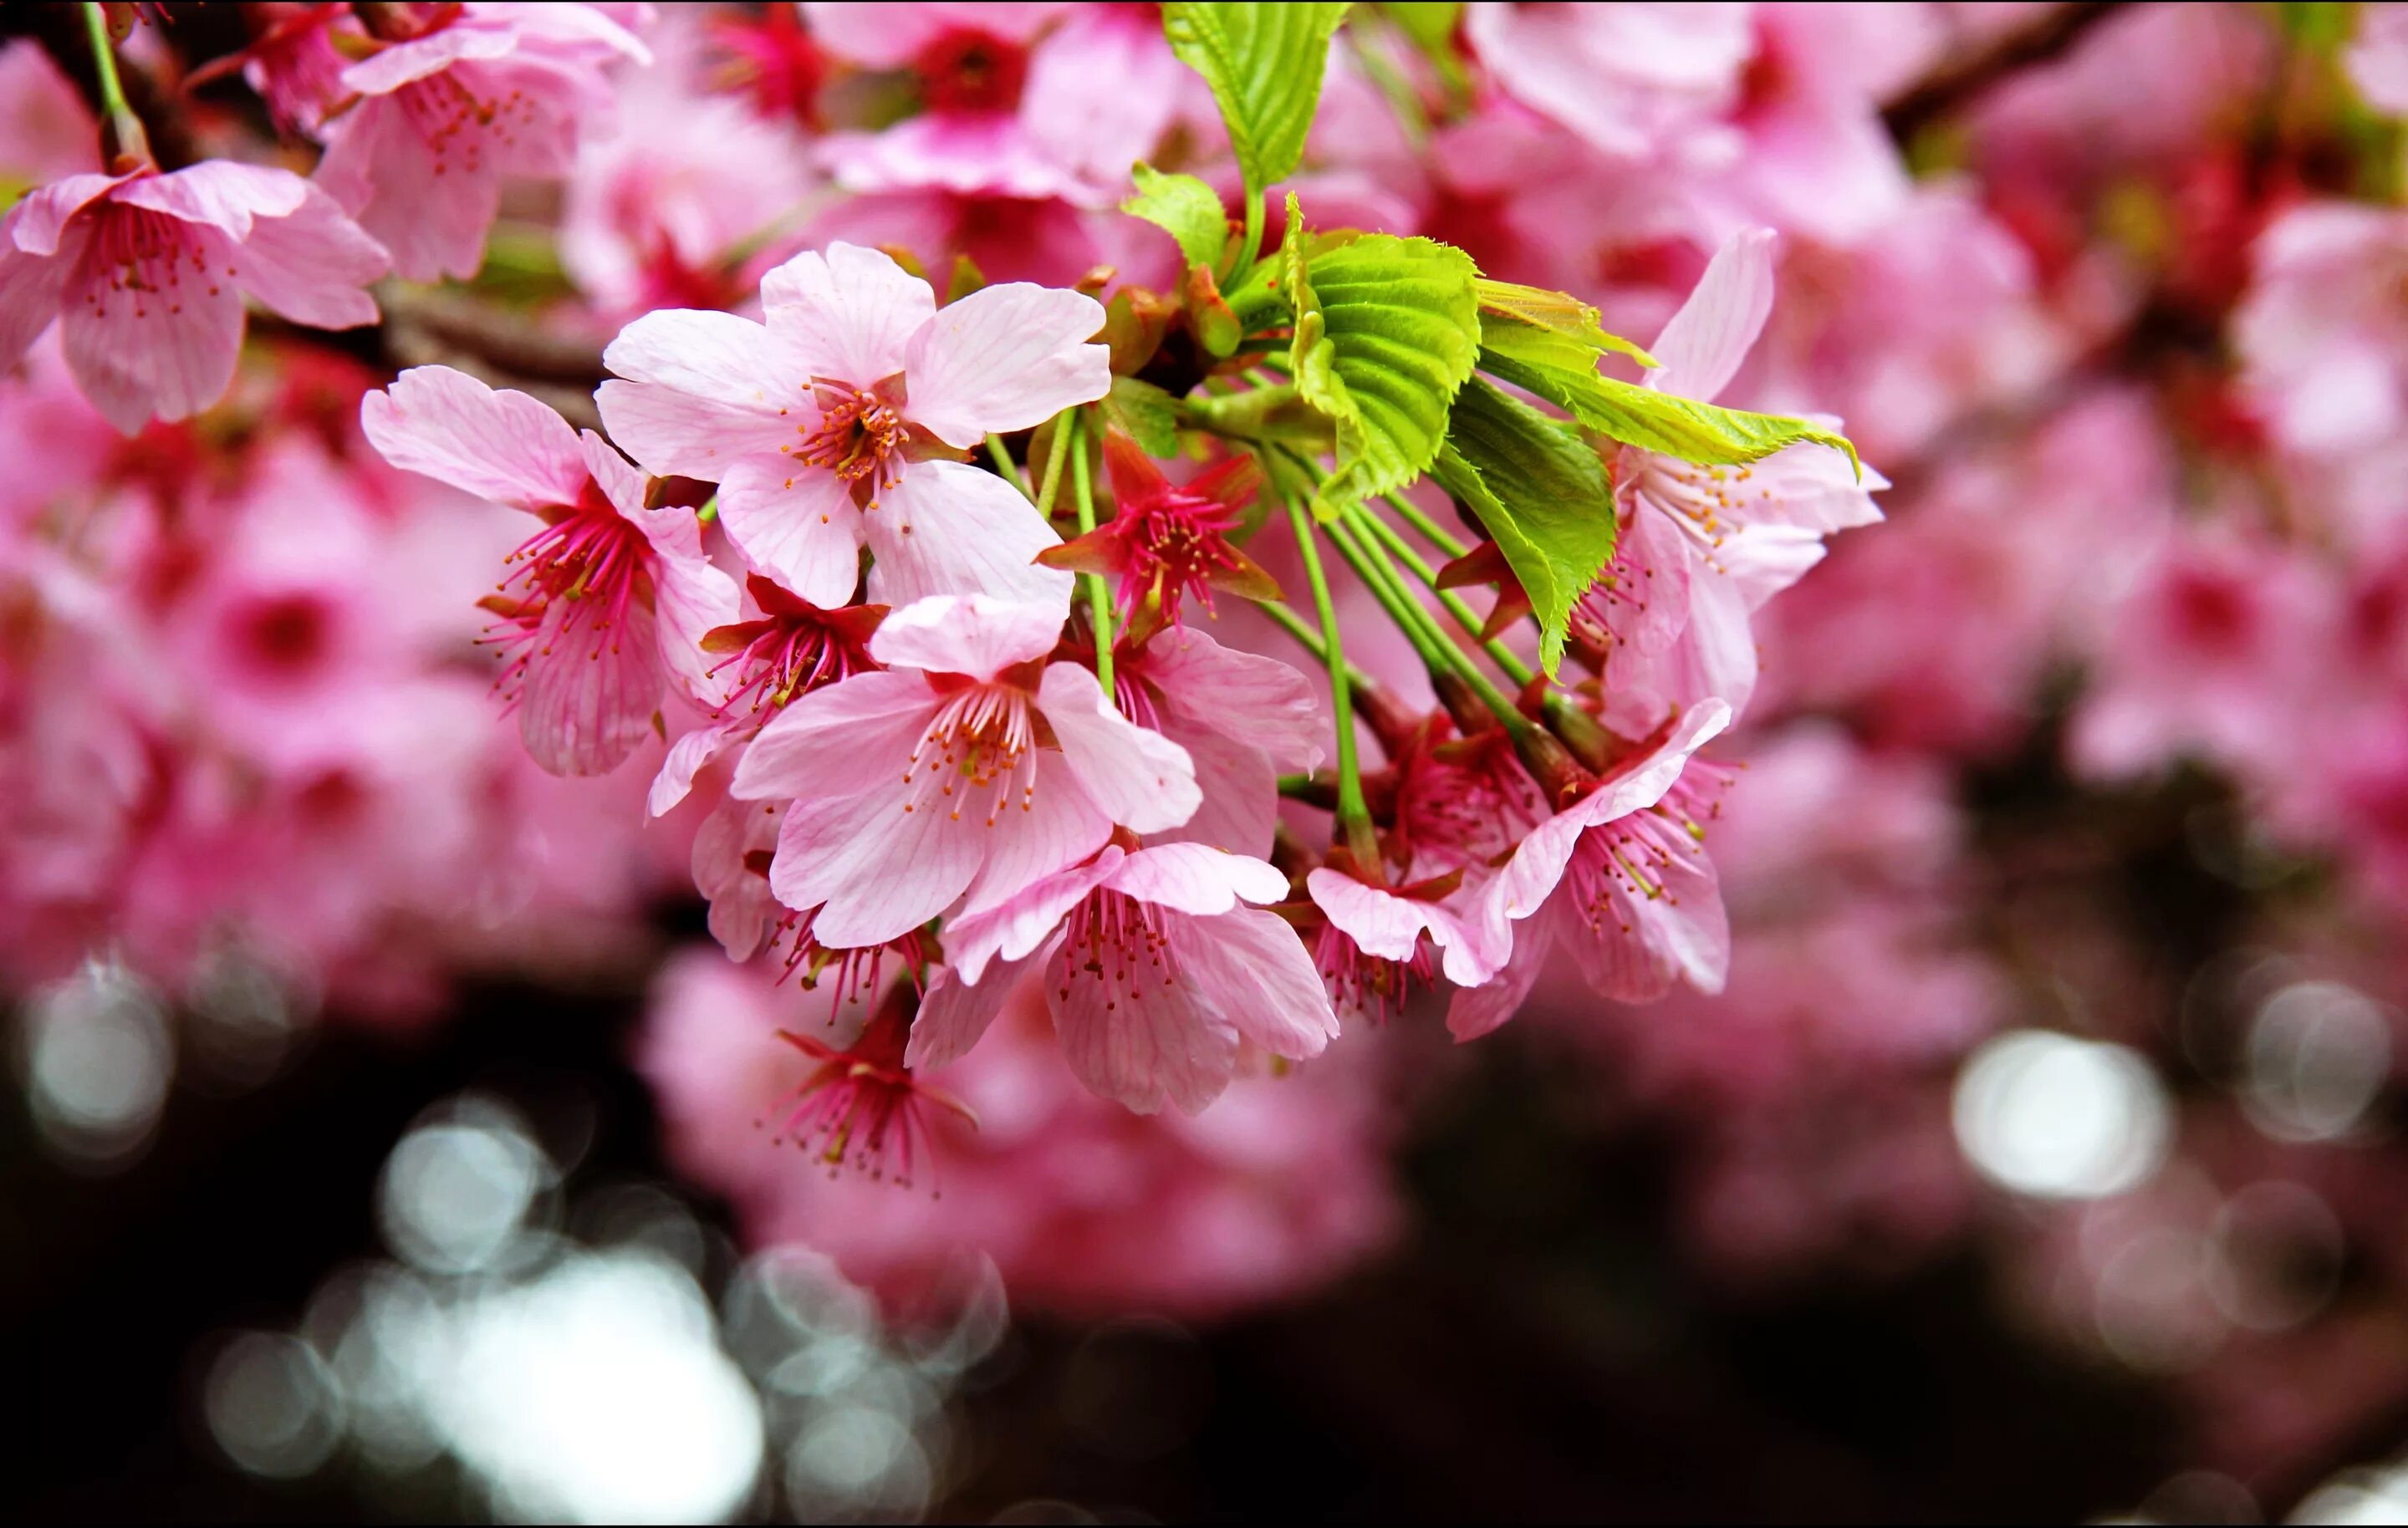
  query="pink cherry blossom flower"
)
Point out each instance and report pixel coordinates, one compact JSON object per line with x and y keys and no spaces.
{"x":1164,"y":540}
{"x":146,"y":273}
{"x":863,"y":1102}
{"x":438,"y":119}
{"x":2322,"y":333}
{"x":1154,"y":968}
{"x":1618,"y":876}
{"x":1014,"y":103}
{"x":607,"y":603}
{"x":1635,"y":82}
{"x":827,"y":426}
{"x":969,"y":770}
{"x":1748,"y":532}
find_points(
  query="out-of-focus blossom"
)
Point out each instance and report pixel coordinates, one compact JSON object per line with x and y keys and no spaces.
{"x":146,"y":272}
{"x":2378,"y":57}
{"x":2323,"y":331}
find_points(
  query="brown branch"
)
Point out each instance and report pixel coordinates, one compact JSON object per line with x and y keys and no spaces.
{"x":1961,"y":80}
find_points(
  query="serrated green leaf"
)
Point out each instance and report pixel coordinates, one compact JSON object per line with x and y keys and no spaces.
{"x":1186,"y":208}
{"x":1660,"y":423}
{"x":1386,"y":330}
{"x":1541,"y":494}
{"x":1564,"y":327}
{"x":1146,"y":413}
{"x":1264,"y":64}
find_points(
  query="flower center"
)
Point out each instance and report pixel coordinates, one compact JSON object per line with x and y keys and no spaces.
{"x":144,"y":255}
{"x":573,"y":581}
{"x":981,"y":748}
{"x":858,"y":436}
{"x":1367,"y":984}
{"x":1120,"y":942}
{"x":965,"y":71}
{"x":453,"y":119}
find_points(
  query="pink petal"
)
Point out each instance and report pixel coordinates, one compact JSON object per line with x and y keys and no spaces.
{"x":849,"y":314}
{"x":381,"y":172}
{"x":962,"y":156}
{"x":880,"y":869}
{"x":881,"y":36}
{"x":1648,"y":605}
{"x":951,"y":528}
{"x":842,"y":740}
{"x":1013,"y":930}
{"x":1006,"y":358}
{"x":742,"y":911}
{"x":797,"y":524}
{"x":1143,"y":1042}
{"x":685,"y":760}
{"x":1143,"y":779}
{"x":1683,"y":932}
{"x":967,"y":634}
{"x":39,"y":222}
{"x":1239,"y":809}
{"x":589,"y":697}
{"x":1251,"y":968}
{"x":30,"y":287}
{"x":1764,"y":560}
{"x":955,"y":1013}
{"x":220,"y":192}
{"x":1389,"y":927}
{"x":1025,"y":841}
{"x":1102,"y":90}
{"x":1197,"y":878}
{"x":310,"y":265}
{"x":504,"y":446}
{"x":1260,"y":701}
{"x":702,"y":391}
{"x":397,"y":64}
{"x":1476,"y":1010}
{"x":1703,"y":346}
{"x":139,"y":354}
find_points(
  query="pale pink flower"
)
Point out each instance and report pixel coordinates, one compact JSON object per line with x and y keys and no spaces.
{"x":1013,"y":104}
{"x":2323,"y":334}
{"x":1620,"y":876}
{"x":1635,"y":82}
{"x":607,"y":603}
{"x":969,"y":770}
{"x":440,"y":119}
{"x":146,"y":272}
{"x":1745,"y":533}
{"x":830,"y":425}
{"x":2378,"y":57}
{"x":1154,"y":970}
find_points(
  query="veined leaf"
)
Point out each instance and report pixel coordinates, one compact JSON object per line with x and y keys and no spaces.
{"x":1386,"y":330}
{"x":1541,"y":494}
{"x":1565,"y":327}
{"x":1186,"y":208}
{"x":1264,"y":64}
{"x":1657,"y":421}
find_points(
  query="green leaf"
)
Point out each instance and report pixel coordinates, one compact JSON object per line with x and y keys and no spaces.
{"x":1430,"y":23}
{"x":1659,"y":423}
{"x":1264,"y":64}
{"x":1146,"y":413}
{"x":1541,"y":494}
{"x":1547,"y":328}
{"x":1186,"y":208}
{"x":1386,"y":330}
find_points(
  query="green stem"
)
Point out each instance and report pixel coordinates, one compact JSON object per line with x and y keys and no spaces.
{"x":708,"y":512}
{"x":1431,"y":531}
{"x":1003,"y":463}
{"x":1397,"y":547}
{"x":104,"y":60}
{"x":1062,"y":423}
{"x":1354,"y":812}
{"x":1379,"y":575}
{"x":1099,"y":598}
{"x":1250,"y":251}
{"x":1295,"y":626}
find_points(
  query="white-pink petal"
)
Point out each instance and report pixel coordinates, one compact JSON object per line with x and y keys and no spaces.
{"x":502,"y":446}
{"x":967,"y":634}
{"x":1143,"y":779}
{"x":1195,"y":878}
{"x":1006,"y":358}
{"x":798,"y":525}
{"x":849,"y":314}
{"x":1703,"y":344}
{"x":841,"y":740}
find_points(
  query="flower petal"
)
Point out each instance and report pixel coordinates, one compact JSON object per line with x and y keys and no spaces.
{"x":797,"y":524}
{"x":1703,"y":346}
{"x":1012,"y":930}
{"x":685,"y":760}
{"x":142,"y":355}
{"x":967,"y":634}
{"x":1053,"y":827}
{"x":1260,"y":701}
{"x":701,"y":391}
{"x":504,"y":446}
{"x":1251,"y":968}
{"x":39,"y":224}
{"x":1143,"y":779}
{"x":955,"y":1013}
{"x":220,"y":192}
{"x":875,"y":868}
{"x":841,"y":740}
{"x":849,"y":314}
{"x":1137,"y":1039}
{"x":1197,"y":878}
{"x":1007,"y":358}
{"x":30,"y":287}
{"x":949,"y":528}
{"x":590,"y":694}
{"x":310,"y":265}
